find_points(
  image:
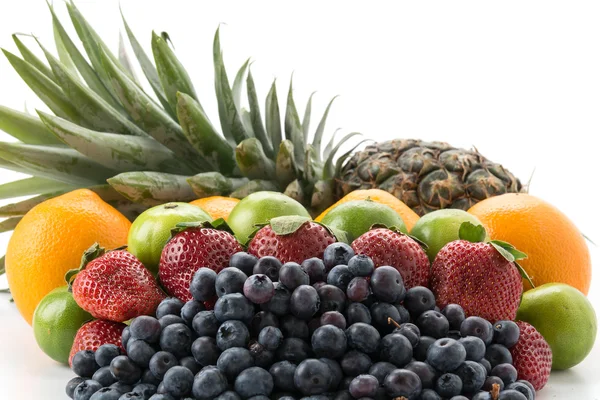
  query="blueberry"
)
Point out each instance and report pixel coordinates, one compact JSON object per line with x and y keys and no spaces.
{"x":486,"y":364}
{"x":104,"y":377}
{"x":355,"y":363}
{"x":429,"y":394}
{"x":205,"y":323}
{"x":140,"y":352}
{"x":332,"y":299}
{"x":234,"y":306}
{"x":312,"y":377}
{"x":361,"y":265}
{"x":268,"y":266}
{"x":364,"y":386}
{"x":293,"y":327}
{"x":280,"y":302}
{"x":125,"y":370}
{"x":169,"y":319}
{"x":402,"y":382}
{"x":190,"y":309}
{"x":84,"y":363}
{"x":148,"y":377}
{"x":291,"y":275}
{"x":315,"y":269}
{"x":337,"y":254}
{"x":490,"y":381}
{"x":358,"y":312}
{"x":329,"y":341}
{"x":381,"y":314}
{"x":259,"y":289}
{"x":529,"y":385}
{"x":270,"y":337}
{"x":176,"y":339}
{"x":106,"y":393}
{"x":381,"y":369}
{"x":202,"y":286}
{"x":72,"y":384}
{"x":426,"y":373}
{"x":178,"y":381}
{"x":420,"y":351}
{"x":86,"y":389}
{"x":411,"y":331}
{"x":283,"y":375}
{"x":244,"y":262}
{"x":454,"y":335}
{"x":305,"y":302}
{"x":506,"y":372}
{"x":131,"y":396}
{"x":358,"y":289}
{"x":472,"y":375}
{"x":169,"y":306}
{"x":446,"y":354}
{"x":448,"y":385}
{"x":459,"y":397}
{"x":482,"y":396}
{"x":396,"y":348}
{"x":340,"y":276}
{"x":506,"y":333}
{"x":363,"y":337}
{"x":433,"y":323}
{"x":474,"y":346}
{"x":261,"y":320}
{"x":387,"y":285}
{"x":232,"y":334}
{"x":336,"y":373}
{"x":254,"y":381}
{"x":161,"y":362}
{"x":121,"y":387}
{"x":228,"y":395}
{"x":522,"y":388}
{"x":234,"y":360}
{"x":498,"y":354}
{"x":209,"y":383}
{"x":145,"y":389}
{"x":294,"y":350}
{"x":105,"y":354}
{"x":205,"y":351}
{"x":319,"y":285}
{"x":418,"y":300}
{"x":190,"y":363}
{"x":263,"y":357}
{"x":511,"y":394}
{"x":259,"y":397}
{"x":333,"y":318}
{"x":455,"y":315}
{"x":404,"y":315}
{"x":314,"y":324}
{"x":161,"y":396}
{"x":229,"y":281}
{"x":477,"y":326}
{"x":345,"y":384}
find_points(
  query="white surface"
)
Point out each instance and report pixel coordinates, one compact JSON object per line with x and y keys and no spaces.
{"x":520,"y":80}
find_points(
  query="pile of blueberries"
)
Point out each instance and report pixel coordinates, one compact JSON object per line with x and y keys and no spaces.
{"x":332,"y":328}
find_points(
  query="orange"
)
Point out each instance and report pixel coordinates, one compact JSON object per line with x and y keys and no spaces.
{"x":380,"y":196}
{"x":216,"y":206}
{"x":50,"y":240}
{"x":556,"y":250}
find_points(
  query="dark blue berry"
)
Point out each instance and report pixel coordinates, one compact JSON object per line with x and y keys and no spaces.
{"x":358,"y":289}
{"x":254,"y":381}
{"x":429,"y":394}
{"x":178,"y":381}
{"x":363,"y":386}
{"x":420,"y":351}
{"x":411,"y":331}
{"x":205,"y":323}
{"x":176,"y":339}
{"x":486,"y":364}
{"x":511,"y":394}
{"x":361,"y":265}
{"x":315,"y":269}
{"x":426,"y":373}
{"x":104,"y":377}
{"x":482,"y":396}
{"x":472,"y":375}
{"x":363,"y":337}
{"x":305,"y":302}
{"x":336,"y":373}
{"x":262,"y":356}
{"x":506,"y":333}
{"x":205,"y":350}
{"x":383,"y":314}
{"x":268,"y":266}
{"x":234,"y":306}
{"x":355,"y":363}
{"x":293,"y":327}
{"x":270,"y":337}
{"x":161,"y":396}
{"x":234,"y":360}
{"x":474,"y":346}
{"x":202,"y":286}
{"x":329,"y":341}
{"x":283,"y":375}
{"x":72,"y":384}
{"x":243,"y":261}
{"x":161,"y":362}
{"x":280,"y":302}
{"x":528,"y":384}
{"x":125,"y":335}
{"x":387,"y":285}
{"x":169,"y":319}
{"x":125,"y":370}
{"x":332,"y":299}
{"x":294,"y":350}
{"x":448,"y":385}
{"x":232,"y":334}
{"x":418,"y":300}
{"x":259,"y":289}
{"x":337,"y":254}
{"x":433,"y":323}
{"x":86,"y":389}
{"x":396,"y":348}
{"x":291,"y":275}
{"x":190,"y":363}
{"x":312,"y":377}
{"x":105,"y":354}
{"x":140,"y":352}
{"x":107,"y":393}
{"x":190,"y":309}
{"x":169,"y":306}
{"x":340,"y":276}
{"x":477,"y":326}
{"x":506,"y":372}
{"x":358,"y":312}
{"x":145,"y":389}
{"x":402,"y":383}
{"x":150,"y":378}
{"x":522,"y":388}
{"x":228,"y":395}
{"x":229,"y":281}
{"x":333,"y":318}
{"x":121,"y":387}
{"x":455,"y":315}
{"x":261,"y":320}
{"x":446,"y":354}
{"x":209,"y":383}
{"x":381,"y":369}
{"x":131,"y":396}
{"x":498,"y":354}
{"x":490,"y":381}
{"x":84,"y":363}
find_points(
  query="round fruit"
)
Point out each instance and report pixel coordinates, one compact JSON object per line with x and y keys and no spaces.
{"x":50,"y":240}
{"x":358,"y":216}
{"x":382,"y":197}
{"x":566,"y":319}
{"x":217,"y":206}
{"x":55,"y":323}
{"x":556,"y":250}
{"x":440,"y":227}
{"x":152,"y":229}
{"x":260,"y":208}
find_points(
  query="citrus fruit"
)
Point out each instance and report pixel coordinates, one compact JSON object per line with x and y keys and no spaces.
{"x":566,"y":319}
{"x":440,"y":227}
{"x":379,"y":196}
{"x":56,"y":321}
{"x":50,"y":240}
{"x":217,"y":206}
{"x":260,"y":208}
{"x":358,"y":216}
{"x":556,"y":250}
{"x":152,"y":229}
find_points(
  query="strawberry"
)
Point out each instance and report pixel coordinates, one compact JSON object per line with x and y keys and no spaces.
{"x":189,"y":250}
{"x":291,"y":239}
{"x":482,"y":277}
{"x":114,"y":286}
{"x":395,"y":249}
{"x":94,"y":334}
{"x":532,"y":356}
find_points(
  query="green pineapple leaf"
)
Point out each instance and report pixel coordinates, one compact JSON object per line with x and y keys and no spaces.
{"x":238,"y":82}
{"x":32,"y":58}
{"x":286,"y":169}
{"x":322,"y":195}
{"x":321,"y":128}
{"x":25,"y":127}
{"x":471,"y":232}
{"x":330,"y":144}
{"x":306,"y":118}
{"x":341,"y":159}
{"x":256,"y":118}
{"x":273,"y":117}
{"x":125,"y":60}
{"x":214,"y":183}
{"x":29,"y":186}
{"x":9,"y":224}
{"x":257,"y":185}
{"x":63,"y":52}
{"x":252,"y":160}
{"x":152,"y":188}
{"x":293,"y":129}
{"x":296,"y":191}
{"x":22,"y":207}
{"x":313,"y":168}
{"x":329,"y":168}
{"x":247,"y":121}
{"x":2,"y":265}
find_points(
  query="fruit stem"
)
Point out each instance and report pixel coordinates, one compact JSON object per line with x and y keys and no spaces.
{"x":495,"y":392}
{"x":392,"y":322}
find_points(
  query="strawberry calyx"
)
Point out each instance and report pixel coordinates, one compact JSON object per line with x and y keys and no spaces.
{"x":289,"y":224}
{"x":218,"y":224}
{"x":88,"y":256}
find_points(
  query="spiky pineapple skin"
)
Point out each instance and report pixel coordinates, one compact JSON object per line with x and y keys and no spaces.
{"x":427,"y":176}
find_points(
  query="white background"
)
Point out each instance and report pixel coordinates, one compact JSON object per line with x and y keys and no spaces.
{"x":518,"y":80}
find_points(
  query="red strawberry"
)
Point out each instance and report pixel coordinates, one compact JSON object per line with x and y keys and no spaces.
{"x":291,"y":239}
{"x":479,"y":278}
{"x":96,"y":333}
{"x":190,"y":250}
{"x":115,"y":286}
{"x":532,"y":356}
{"x":386,"y":247}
